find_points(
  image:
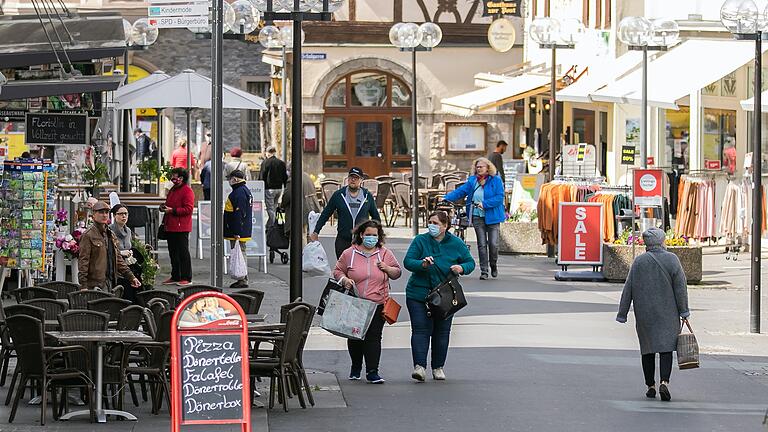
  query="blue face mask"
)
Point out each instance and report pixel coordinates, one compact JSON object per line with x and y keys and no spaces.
{"x":434,"y":230}
{"x":370,"y":241}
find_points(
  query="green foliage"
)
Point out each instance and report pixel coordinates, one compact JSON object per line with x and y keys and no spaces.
{"x":149,"y":268}
{"x":523,"y":216}
{"x":149,"y":170}
{"x":166,"y":171}
{"x":95,"y":175}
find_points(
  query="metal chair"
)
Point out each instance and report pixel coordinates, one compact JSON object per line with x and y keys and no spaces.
{"x":248,"y":303}
{"x":437,"y":181}
{"x":154,"y":365}
{"x":145,"y":296}
{"x":382,"y":178}
{"x":130,"y":318}
{"x":80,"y":299}
{"x":62,"y":288}
{"x":372,"y":185}
{"x":403,"y":196}
{"x":8,"y":350}
{"x":258,"y":295}
{"x":422,"y":180}
{"x":384,"y":201}
{"x":32,"y":292}
{"x":110,"y":306}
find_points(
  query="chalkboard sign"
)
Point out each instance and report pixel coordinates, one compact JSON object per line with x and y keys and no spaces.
{"x":56,"y":129}
{"x":212,"y":377}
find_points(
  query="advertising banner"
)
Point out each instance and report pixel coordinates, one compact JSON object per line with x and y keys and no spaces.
{"x":580,"y":233}
{"x":648,"y":187}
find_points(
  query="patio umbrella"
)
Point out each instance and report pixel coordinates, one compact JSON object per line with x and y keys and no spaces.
{"x":187,"y":90}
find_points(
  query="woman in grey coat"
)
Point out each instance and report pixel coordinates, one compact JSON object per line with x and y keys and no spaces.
{"x":657,"y":286}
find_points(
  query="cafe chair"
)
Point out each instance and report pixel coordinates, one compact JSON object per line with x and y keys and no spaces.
{"x":62,"y":288}
{"x":143,"y":297}
{"x":53,"y":308}
{"x":187,"y":291}
{"x":247,"y":303}
{"x":9,"y":351}
{"x":35,"y":362}
{"x":111,"y":306}
{"x":130,"y":318}
{"x":32,"y":292}
{"x":80,"y":299}
{"x":153,"y":365}
{"x":258,"y":295}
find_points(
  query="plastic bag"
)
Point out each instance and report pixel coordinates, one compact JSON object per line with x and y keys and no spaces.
{"x":238,"y":268}
{"x":312,"y":220}
{"x":314,"y":260}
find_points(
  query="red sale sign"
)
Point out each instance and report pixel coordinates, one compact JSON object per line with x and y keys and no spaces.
{"x":580,"y":233}
{"x":648,"y":187}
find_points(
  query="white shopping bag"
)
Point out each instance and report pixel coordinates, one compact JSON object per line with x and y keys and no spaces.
{"x":312,"y":220}
{"x":238,"y":268}
{"x":314,"y":260}
{"x":348,"y":316}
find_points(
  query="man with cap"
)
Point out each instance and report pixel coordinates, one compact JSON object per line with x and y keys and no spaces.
{"x":353,"y":205}
{"x":274,"y":173}
{"x":99,"y":261}
{"x":238,"y":217}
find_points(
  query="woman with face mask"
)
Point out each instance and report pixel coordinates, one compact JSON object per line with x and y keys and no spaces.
{"x":367,"y":267}
{"x":431,"y":258}
{"x":178,"y":224}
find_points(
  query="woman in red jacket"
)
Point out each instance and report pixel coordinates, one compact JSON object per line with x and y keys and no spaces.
{"x":178,"y":224}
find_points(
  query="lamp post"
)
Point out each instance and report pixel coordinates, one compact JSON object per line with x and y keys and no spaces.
{"x":746,"y":22}
{"x":640,"y":34}
{"x":411,"y":37}
{"x":138,"y":36}
{"x":554,"y":34}
{"x":297,"y":11}
{"x":271,"y":37}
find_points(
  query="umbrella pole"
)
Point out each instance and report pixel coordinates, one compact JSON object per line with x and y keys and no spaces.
{"x":189,"y":143}
{"x":159,"y":145}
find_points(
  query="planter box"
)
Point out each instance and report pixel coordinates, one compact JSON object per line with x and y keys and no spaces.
{"x":520,"y":238}
{"x":617,"y":259}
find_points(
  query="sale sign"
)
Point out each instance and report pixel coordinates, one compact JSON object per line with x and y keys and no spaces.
{"x":580,"y":233}
{"x":648,"y":187}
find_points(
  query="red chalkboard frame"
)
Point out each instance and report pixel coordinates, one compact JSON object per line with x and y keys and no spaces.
{"x":226,"y":328}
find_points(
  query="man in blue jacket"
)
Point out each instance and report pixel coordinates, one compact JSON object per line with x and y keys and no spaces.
{"x":238,"y":217}
{"x":353,"y":205}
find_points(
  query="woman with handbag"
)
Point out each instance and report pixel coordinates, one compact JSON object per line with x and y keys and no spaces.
{"x":367,"y":267}
{"x":656,"y":285}
{"x":431,"y":258}
{"x":177,"y":224}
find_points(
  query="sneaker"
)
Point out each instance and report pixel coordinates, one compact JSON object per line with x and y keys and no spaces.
{"x":354,"y":374}
{"x":374,"y":378}
{"x":651,"y":393}
{"x":239,"y":284}
{"x":438,"y":374}
{"x":419,"y":373}
{"x":182,"y":283}
{"x":664,"y":393}
{"x":494,"y":271}
{"x":483,"y":276}
{"x":169,"y":281}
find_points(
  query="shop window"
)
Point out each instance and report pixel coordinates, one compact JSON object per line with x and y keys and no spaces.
{"x":750,"y":134}
{"x":719,"y":136}
{"x":677,"y":132}
{"x":401,"y":94}
{"x":335,"y":136}
{"x":369,"y":89}
{"x":337,"y":97}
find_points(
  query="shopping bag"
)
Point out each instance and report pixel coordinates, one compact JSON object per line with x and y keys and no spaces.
{"x":348,"y":316}
{"x":331,"y":285}
{"x":312,"y":221}
{"x":687,"y":348}
{"x":238,"y":268}
{"x":314,"y":260}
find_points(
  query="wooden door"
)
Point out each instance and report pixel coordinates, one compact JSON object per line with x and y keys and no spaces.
{"x":371,"y":138}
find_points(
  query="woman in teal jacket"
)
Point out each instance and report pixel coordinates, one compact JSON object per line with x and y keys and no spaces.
{"x":431,"y":258}
{"x":485,"y":206}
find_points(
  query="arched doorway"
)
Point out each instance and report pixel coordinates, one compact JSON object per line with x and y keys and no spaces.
{"x":367,"y":123}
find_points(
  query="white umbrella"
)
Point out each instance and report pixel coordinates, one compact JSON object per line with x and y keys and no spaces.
{"x":187,"y":90}
{"x":152,"y":78}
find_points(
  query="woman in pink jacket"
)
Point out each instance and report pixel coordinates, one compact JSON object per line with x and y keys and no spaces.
{"x":368,"y":267}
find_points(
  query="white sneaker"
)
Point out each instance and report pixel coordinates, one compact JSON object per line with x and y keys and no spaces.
{"x":438,"y":374}
{"x":419,"y":373}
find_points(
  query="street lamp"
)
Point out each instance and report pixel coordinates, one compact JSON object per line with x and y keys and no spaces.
{"x":297,"y":11}
{"x":554,"y":34}
{"x":746,"y":22}
{"x":273,"y":37}
{"x":640,"y":34}
{"x":138,"y":36}
{"x":411,"y":37}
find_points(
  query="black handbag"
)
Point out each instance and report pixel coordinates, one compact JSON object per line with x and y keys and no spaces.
{"x":161,"y":233}
{"x":446,"y":299}
{"x":330,"y":285}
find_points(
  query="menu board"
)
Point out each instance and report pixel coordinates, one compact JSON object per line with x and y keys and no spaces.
{"x":27,"y":214}
{"x":54,"y":129}
{"x":211,"y":377}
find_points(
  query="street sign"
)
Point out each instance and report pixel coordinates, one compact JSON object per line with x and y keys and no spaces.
{"x":648,"y":185}
{"x":180,"y":22}
{"x":314,"y":56}
{"x":178,"y":10}
{"x":580,"y":233}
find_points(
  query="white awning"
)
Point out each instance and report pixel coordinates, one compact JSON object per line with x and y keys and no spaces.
{"x":513,"y":89}
{"x":683,"y":70}
{"x":599,"y":76}
{"x":749,"y":104}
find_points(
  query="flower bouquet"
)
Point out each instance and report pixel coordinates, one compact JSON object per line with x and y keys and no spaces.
{"x":70,"y":243}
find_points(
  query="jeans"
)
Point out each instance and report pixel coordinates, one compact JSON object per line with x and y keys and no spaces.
{"x":649,"y":367}
{"x":181,"y":262}
{"x":242,"y":248}
{"x":424,"y":329}
{"x":487,"y":243}
{"x":271,"y":196}
{"x":370,"y":348}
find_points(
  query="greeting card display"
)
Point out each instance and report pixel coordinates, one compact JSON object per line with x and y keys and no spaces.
{"x":27,"y":214}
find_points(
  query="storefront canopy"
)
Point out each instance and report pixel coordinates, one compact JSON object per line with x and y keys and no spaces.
{"x":749,"y":104}
{"x":683,"y":70}
{"x":515,"y":88}
{"x":14,"y":90}
{"x":599,"y":76}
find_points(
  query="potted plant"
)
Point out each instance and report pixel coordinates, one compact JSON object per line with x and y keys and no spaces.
{"x":149,"y":266}
{"x":617,"y":256}
{"x":95,"y":176}
{"x":149,"y":173}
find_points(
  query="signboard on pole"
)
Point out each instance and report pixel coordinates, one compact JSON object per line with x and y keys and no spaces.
{"x":209,"y":363}
{"x":178,"y":10}
{"x":648,"y":187}
{"x":179,"y":21}
{"x":580,"y":233}
{"x":713,"y":165}
{"x":627,"y":155}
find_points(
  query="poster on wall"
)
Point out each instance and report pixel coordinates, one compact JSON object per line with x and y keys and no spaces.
{"x":465,"y":137}
{"x":632,"y":132}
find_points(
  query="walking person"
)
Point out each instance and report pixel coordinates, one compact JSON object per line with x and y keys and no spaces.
{"x":236,"y":163}
{"x":497,"y":160}
{"x":431,"y":257}
{"x":485,"y":206}
{"x":238,"y":218}
{"x":205,"y":180}
{"x":179,"y":156}
{"x":124,"y":240}
{"x":274,"y":173}
{"x":353,"y":205}
{"x":178,"y":224}
{"x":656,"y":285}
{"x":99,"y":260}
{"x":367,"y":267}
{"x":143,"y":144}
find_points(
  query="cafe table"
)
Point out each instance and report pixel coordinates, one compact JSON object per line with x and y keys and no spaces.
{"x":101,"y":338}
